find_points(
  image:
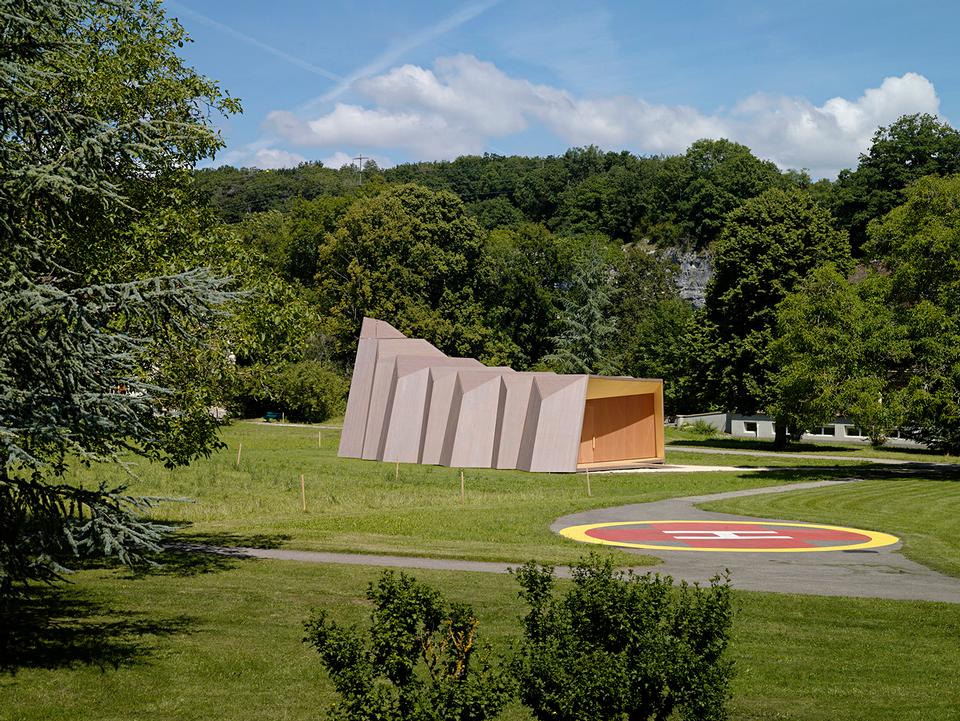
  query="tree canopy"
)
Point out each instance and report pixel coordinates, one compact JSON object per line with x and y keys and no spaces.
{"x":904,"y":151}
{"x":768,"y":245}
{"x":837,"y":348}
{"x":881,"y":347}
{"x":918,"y":244}
{"x":412,"y":255}
{"x":99,"y":354}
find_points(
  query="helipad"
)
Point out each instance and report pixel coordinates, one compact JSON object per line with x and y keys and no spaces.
{"x":728,"y":536}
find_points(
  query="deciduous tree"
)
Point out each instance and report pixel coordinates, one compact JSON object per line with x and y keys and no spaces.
{"x":409,"y":255}
{"x":918,"y":244}
{"x":768,"y":245}
{"x":840,"y":351}
{"x":904,"y":151}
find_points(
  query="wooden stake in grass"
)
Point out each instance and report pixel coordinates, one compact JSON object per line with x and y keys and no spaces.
{"x":462,"y":488}
{"x":303,"y":494}
{"x":239,"y":449}
{"x":396,"y":475}
{"x":319,"y":439}
{"x":589,"y":492}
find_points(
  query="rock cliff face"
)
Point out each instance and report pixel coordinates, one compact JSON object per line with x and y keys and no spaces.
{"x":695,"y":272}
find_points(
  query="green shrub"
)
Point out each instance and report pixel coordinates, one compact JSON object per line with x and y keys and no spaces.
{"x":310,"y":391}
{"x":622,"y":646}
{"x":306,"y":391}
{"x":419,"y":660}
{"x":700,"y":428}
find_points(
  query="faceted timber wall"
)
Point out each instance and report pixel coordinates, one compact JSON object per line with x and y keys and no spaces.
{"x":411,"y":403}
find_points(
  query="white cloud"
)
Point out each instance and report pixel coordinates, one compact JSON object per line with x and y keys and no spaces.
{"x":426,"y":134}
{"x":272,"y":158}
{"x":260,"y":155}
{"x":462,"y":103}
{"x":795,"y":133}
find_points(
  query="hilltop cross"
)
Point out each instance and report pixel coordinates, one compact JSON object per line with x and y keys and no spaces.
{"x":359,"y":160}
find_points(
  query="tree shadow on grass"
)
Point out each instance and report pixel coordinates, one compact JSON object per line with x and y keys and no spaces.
{"x":746,"y":444}
{"x":56,"y":627}
{"x":187,"y":554}
{"x":233,"y":540}
{"x":738,"y":444}
{"x":193,"y":554}
{"x":865,"y":472}
{"x":183,"y":560}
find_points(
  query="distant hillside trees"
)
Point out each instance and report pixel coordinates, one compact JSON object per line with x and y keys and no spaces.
{"x":671,"y":199}
{"x":238,"y":192}
{"x":483,"y":256}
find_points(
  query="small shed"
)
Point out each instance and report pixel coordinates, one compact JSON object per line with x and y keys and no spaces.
{"x":411,"y":403}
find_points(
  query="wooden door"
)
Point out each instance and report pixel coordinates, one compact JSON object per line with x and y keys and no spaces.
{"x":618,"y":428}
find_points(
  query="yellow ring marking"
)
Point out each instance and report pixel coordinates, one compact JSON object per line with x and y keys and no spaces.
{"x":876,"y":538}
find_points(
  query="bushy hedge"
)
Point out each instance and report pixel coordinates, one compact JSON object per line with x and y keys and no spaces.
{"x":419,"y":660}
{"x":307,"y":391}
{"x":612,"y":646}
{"x":621,"y":646}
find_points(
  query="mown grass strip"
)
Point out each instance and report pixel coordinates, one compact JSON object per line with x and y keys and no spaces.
{"x":213,"y":638}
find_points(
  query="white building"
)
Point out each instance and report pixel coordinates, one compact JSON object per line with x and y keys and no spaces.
{"x":740,"y":426}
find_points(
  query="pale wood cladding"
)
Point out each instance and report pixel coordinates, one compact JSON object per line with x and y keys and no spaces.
{"x":618,"y":428}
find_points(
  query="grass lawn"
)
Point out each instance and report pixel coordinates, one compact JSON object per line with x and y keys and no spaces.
{"x":924,"y":512}
{"x":208,"y":637}
{"x":355,"y":505}
{"x":220,"y":639}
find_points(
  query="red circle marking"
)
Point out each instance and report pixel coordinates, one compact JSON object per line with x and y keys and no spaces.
{"x":721,"y":535}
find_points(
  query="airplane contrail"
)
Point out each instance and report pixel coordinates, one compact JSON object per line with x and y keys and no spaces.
{"x":292,"y":59}
{"x":395,"y":52}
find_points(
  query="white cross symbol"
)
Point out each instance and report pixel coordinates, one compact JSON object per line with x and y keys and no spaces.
{"x":724,"y":535}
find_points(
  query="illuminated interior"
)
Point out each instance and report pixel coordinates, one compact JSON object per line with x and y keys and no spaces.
{"x":622,"y":423}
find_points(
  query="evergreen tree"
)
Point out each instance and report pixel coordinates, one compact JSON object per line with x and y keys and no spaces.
{"x":99,"y":125}
{"x":586,"y":327}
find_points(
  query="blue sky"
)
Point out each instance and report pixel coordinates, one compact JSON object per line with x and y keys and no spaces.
{"x":804,"y":84}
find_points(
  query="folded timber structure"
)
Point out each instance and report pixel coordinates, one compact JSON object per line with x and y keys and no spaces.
{"x":410,"y":403}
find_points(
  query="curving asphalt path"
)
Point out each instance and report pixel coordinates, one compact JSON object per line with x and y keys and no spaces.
{"x":876,"y":573}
